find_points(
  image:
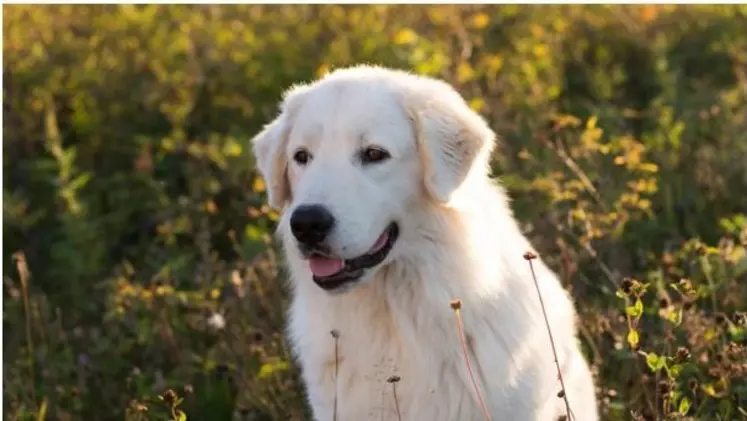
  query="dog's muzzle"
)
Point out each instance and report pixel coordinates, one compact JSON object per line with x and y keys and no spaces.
{"x":331,"y":272}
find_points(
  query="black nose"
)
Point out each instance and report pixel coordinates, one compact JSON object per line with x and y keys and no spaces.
{"x":311,"y":224}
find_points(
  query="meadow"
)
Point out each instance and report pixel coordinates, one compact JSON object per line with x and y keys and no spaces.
{"x":141,"y":280}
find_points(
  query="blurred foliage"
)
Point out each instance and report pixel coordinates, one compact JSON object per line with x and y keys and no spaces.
{"x":147,"y":280}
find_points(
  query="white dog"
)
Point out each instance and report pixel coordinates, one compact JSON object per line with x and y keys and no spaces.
{"x":388,"y":215}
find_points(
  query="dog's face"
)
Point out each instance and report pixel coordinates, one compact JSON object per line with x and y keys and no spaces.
{"x":348,"y":158}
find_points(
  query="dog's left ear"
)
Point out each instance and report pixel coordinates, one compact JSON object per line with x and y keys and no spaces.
{"x":453,"y":140}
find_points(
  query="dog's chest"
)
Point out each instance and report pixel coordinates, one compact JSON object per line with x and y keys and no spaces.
{"x":375,"y":370}
{"x":364,"y":376}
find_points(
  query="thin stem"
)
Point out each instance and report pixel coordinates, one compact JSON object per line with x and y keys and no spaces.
{"x":529,"y":256}
{"x":336,"y":335}
{"x":23,"y":273}
{"x":383,"y":400}
{"x":396,"y":401}
{"x":456,"y":305}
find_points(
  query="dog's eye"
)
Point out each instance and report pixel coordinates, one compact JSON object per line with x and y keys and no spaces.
{"x":371,"y":155}
{"x":302,"y":156}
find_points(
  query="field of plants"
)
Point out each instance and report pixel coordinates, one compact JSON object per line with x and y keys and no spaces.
{"x":140,"y":277}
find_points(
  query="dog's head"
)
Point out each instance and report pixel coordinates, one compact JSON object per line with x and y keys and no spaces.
{"x":353,"y":155}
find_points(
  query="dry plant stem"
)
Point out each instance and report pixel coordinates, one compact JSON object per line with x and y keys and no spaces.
{"x":611,"y":277}
{"x":657,"y":397}
{"x":529,"y":257}
{"x":456,"y":305}
{"x":576,"y":169}
{"x":396,"y":401}
{"x":336,"y":335}
{"x":23,"y":273}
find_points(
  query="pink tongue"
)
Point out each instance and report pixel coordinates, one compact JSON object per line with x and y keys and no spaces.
{"x":321,"y":266}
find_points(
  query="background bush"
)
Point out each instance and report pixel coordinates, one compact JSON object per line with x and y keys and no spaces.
{"x":137,"y":244}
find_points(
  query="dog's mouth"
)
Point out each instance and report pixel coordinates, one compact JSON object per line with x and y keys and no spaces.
{"x":331,"y":272}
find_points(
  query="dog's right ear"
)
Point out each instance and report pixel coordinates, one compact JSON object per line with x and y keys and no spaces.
{"x":270,"y":157}
{"x":269,"y":149}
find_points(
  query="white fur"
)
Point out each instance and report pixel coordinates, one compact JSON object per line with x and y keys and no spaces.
{"x":458,"y":239}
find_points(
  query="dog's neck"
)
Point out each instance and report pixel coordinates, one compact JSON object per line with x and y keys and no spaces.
{"x":479,"y":230}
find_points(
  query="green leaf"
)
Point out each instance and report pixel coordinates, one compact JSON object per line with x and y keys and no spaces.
{"x":725,"y":408}
{"x":675,"y":316}
{"x":405,"y":36}
{"x":740,"y":267}
{"x":655,"y":362}
{"x":635,"y":310}
{"x":645,"y":285}
{"x":711,"y":333}
{"x":684,"y":406}
{"x":80,"y":181}
{"x":633,"y":338}
{"x":42,"y":411}
{"x":709,"y":390}
{"x":269,"y":368}
{"x":253,"y":233}
{"x":675,"y":370}
{"x":737,"y":333}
